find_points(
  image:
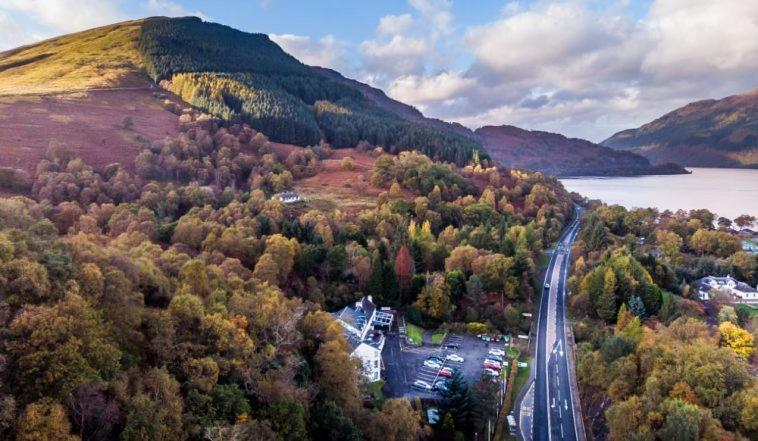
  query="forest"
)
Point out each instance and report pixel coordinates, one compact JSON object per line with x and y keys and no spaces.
{"x":653,"y":361}
{"x":175,"y":299}
{"x":246,"y":78}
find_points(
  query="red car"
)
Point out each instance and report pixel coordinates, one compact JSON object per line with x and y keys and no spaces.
{"x":492,"y":365}
{"x":446,"y":372}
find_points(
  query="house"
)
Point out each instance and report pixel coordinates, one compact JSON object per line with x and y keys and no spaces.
{"x":360,"y":323}
{"x":736,"y":291}
{"x":750,"y":246}
{"x":287,"y":197}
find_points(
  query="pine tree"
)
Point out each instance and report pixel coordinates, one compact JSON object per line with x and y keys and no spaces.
{"x":457,"y":402}
{"x":637,"y":307}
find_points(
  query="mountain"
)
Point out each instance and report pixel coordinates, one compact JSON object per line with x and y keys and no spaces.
{"x":708,"y":133}
{"x":558,"y":155}
{"x":239,"y":77}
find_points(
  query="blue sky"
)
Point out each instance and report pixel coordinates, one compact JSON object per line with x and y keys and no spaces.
{"x":584,"y":68}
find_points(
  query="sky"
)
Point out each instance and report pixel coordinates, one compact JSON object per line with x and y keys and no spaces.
{"x":583,"y":68}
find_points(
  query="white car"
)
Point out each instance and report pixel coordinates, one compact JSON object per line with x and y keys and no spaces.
{"x":497,"y":352}
{"x":454,"y":357}
{"x":432,"y":364}
{"x":547,"y":286}
{"x":423,"y":385}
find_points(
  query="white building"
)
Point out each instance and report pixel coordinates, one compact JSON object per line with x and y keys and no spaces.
{"x":287,"y":197}
{"x":366,"y":342}
{"x":736,"y":291}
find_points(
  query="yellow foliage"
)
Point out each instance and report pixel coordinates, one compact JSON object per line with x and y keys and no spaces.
{"x":737,"y":339}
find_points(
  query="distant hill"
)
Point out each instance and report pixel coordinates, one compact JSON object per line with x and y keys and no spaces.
{"x":708,"y":133}
{"x":240,"y":77}
{"x":558,"y":155}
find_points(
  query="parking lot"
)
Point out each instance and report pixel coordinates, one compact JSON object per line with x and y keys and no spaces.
{"x":406,"y":365}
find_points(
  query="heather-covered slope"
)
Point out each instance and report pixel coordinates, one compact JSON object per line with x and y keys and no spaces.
{"x":558,"y":155}
{"x":708,"y":133}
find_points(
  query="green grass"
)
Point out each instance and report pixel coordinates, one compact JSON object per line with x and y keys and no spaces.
{"x":438,"y":336}
{"x":415,"y":334}
{"x":521,"y":377}
{"x":512,"y":352}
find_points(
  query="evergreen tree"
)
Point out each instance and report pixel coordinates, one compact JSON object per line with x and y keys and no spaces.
{"x":457,"y":402}
{"x":637,"y":307}
{"x":606,"y":302}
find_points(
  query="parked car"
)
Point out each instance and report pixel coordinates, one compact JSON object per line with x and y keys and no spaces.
{"x":491,"y":372}
{"x":452,"y":346}
{"x":498,"y":352}
{"x":547,"y":286}
{"x":492,"y":365}
{"x":455,"y":357}
{"x":446,"y":372}
{"x":421,"y":385}
{"x":432,"y":364}
{"x":440,"y":385}
{"x":436,"y":358}
{"x":497,"y":358}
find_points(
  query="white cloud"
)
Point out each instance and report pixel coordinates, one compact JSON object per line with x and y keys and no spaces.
{"x":394,"y":24}
{"x":421,"y":90}
{"x":325,"y":52}
{"x":11,"y":34}
{"x":62,"y":16}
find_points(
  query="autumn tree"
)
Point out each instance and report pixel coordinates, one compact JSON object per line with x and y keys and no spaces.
{"x":737,"y":339}
{"x":404,"y":267}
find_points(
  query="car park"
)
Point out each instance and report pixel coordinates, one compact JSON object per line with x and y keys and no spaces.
{"x":455,"y":358}
{"x":422,"y":385}
{"x":432,"y":364}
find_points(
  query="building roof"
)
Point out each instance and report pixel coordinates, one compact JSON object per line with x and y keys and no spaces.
{"x":706,"y":283}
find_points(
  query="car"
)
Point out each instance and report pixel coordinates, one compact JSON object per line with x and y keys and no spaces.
{"x":492,"y":365}
{"x":547,"y":286}
{"x":440,"y":385}
{"x":497,"y":352}
{"x":421,"y":385}
{"x":494,"y":357}
{"x":432,"y":364}
{"x":446,"y":372}
{"x":491,"y":372}
{"x":452,"y":346}
{"x":454,"y":357}
{"x":436,"y":358}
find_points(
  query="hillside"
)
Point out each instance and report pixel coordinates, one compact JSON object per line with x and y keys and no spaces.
{"x":558,"y":155}
{"x":239,"y":77}
{"x":708,"y":133}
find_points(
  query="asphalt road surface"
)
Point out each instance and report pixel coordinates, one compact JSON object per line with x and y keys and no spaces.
{"x":553,"y":417}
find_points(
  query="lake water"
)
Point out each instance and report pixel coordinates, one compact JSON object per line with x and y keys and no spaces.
{"x":725,"y":191}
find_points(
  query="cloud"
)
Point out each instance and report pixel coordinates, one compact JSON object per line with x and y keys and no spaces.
{"x":587,"y":71}
{"x":62,"y":16}
{"x":325,"y":52}
{"x":11,"y":34}
{"x":407,"y":46}
{"x":424,"y":89}
{"x":394,"y":24}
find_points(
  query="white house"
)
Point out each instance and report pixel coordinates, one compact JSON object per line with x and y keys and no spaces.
{"x":287,"y":197}
{"x":366,"y":342}
{"x":737,"y":292}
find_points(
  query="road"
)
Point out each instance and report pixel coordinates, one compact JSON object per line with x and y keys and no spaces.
{"x":553,"y":404}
